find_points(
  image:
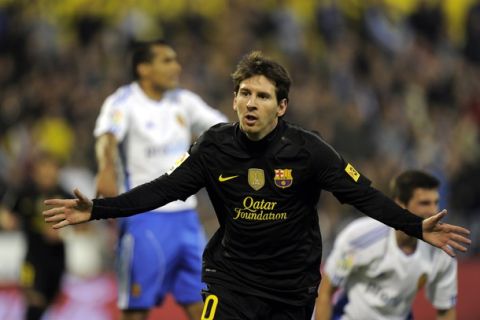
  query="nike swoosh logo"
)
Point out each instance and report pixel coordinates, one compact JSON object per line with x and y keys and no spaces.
{"x":223,"y":179}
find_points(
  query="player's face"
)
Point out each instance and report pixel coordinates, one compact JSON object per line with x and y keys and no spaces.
{"x":257,"y":106}
{"x":424,"y":202}
{"x":45,"y":173}
{"x":164,"y":69}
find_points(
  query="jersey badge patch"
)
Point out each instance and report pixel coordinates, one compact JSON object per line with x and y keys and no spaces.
{"x":181,"y":121}
{"x":178,"y":162}
{"x":346,"y":262}
{"x":256,"y":178}
{"x":350,"y":170}
{"x":117,"y":117}
{"x":283,"y":178}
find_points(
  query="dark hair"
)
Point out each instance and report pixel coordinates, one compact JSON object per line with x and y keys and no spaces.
{"x":255,"y":63}
{"x":405,"y":184}
{"x":142,"y":53}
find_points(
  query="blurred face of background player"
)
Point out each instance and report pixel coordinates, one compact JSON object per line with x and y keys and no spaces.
{"x":257,"y":107}
{"x":423,"y":203}
{"x":162,"y":72}
{"x":45,"y":173}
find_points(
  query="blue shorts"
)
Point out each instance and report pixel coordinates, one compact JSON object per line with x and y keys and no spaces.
{"x":160,"y":253}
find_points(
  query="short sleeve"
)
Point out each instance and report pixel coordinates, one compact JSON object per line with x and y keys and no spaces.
{"x":341,"y":260}
{"x":202,"y":116}
{"x":113,"y":118}
{"x":442,"y":287}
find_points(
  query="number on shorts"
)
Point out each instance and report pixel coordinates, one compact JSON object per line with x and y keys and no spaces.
{"x":211,"y":301}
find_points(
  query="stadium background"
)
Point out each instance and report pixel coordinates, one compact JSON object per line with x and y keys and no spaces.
{"x":391,"y":84}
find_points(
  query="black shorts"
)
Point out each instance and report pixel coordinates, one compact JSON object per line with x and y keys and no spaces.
{"x":225,"y":304}
{"x":42,"y":270}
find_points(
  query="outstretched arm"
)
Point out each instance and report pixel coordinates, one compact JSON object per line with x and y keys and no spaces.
{"x":443,"y":235}
{"x":182,"y":182}
{"x":68,"y":211}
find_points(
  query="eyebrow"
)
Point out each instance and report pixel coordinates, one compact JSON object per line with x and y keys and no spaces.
{"x":265,"y":93}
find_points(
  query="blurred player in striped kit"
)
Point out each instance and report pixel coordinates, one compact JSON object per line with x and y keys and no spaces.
{"x":379,"y":270}
{"x":146,"y":126}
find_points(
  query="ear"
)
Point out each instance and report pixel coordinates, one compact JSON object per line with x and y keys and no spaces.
{"x":143,"y":69}
{"x":235,"y":101}
{"x":282,"y":107}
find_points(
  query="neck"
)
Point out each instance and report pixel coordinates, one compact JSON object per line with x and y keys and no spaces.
{"x":151,"y":91}
{"x":405,"y":242}
{"x":259,"y":136}
{"x":260,"y":145}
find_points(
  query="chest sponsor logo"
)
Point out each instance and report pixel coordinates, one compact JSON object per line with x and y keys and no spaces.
{"x":150,"y":124}
{"x":259,"y":210}
{"x":382,"y":292}
{"x":350,"y":170}
{"x":256,"y":178}
{"x":283,"y":178}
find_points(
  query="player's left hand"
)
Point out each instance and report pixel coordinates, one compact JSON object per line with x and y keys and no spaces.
{"x":443,"y":235}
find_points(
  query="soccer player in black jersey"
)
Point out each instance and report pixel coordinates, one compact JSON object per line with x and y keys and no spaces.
{"x":264,"y":177}
{"x":44,"y":262}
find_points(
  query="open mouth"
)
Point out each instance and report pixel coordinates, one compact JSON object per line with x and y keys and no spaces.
{"x":250,"y":119}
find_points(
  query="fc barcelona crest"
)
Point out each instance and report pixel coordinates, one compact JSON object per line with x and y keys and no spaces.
{"x":283,"y":178}
{"x":256,"y":178}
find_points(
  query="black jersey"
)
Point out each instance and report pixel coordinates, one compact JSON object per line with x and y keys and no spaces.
{"x":27,"y":204}
{"x":264,"y":194}
{"x":44,"y":261}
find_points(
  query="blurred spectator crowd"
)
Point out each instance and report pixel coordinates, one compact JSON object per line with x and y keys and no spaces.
{"x":390,"y":88}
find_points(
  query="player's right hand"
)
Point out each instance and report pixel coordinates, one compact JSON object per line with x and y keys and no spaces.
{"x":68,"y":211}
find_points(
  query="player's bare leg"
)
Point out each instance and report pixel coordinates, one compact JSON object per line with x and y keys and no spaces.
{"x":36,"y":304}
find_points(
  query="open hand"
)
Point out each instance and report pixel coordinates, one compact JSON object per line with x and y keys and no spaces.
{"x":443,"y":235}
{"x":68,"y":211}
